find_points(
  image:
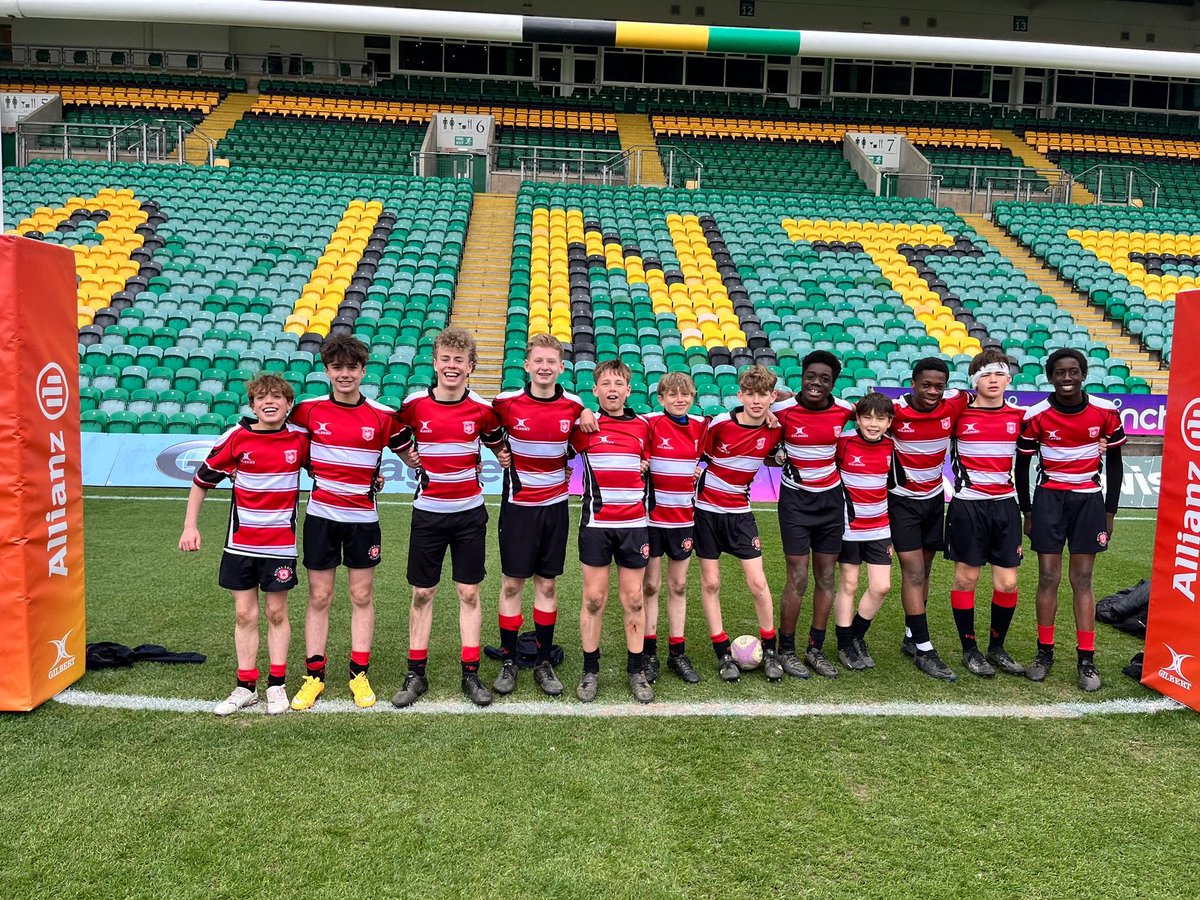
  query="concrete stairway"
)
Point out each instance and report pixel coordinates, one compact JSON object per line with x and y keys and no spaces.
{"x":635,"y":132}
{"x":1120,"y":344}
{"x":218,"y":124}
{"x":481,"y":297}
{"x":1035,"y":160}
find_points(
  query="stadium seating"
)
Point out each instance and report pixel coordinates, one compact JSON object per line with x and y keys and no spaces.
{"x":380,"y":134}
{"x":705,"y":282}
{"x":1129,"y":262}
{"x":744,"y":153}
{"x":181,"y":302}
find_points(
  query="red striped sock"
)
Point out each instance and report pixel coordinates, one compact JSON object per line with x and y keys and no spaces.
{"x":278,"y":671}
{"x":962,"y":599}
{"x":247,"y":678}
{"x":470,"y":659}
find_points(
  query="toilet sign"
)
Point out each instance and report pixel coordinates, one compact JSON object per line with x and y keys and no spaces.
{"x":453,"y":131}
{"x":882,"y":149}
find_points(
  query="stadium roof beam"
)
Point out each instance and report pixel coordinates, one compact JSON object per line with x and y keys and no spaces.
{"x":602,"y":33}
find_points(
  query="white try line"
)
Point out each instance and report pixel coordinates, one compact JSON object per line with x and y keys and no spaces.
{"x":182,"y":498}
{"x":745,"y":709}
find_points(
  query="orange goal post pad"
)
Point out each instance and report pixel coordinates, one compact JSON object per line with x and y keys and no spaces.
{"x":42,"y":637}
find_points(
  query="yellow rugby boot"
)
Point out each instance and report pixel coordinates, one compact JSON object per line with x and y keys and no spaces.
{"x":308,"y":693}
{"x":360,"y":687}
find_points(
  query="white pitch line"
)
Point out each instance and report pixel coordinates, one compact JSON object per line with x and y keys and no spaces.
{"x":712,"y":708}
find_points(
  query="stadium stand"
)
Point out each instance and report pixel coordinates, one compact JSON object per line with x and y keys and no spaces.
{"x":1130,"y":263}
{"x":181,"y":302}
{"x":649,"y":276}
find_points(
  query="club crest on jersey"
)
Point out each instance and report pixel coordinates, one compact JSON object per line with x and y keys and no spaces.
{"x":1011,"y":427}
{"x":760,"y":443}
{"x":368,"y":433}
{"x":290,"y":456}
{"x":1093,"y":432}
{"x":565,"y":425}
{"x":468,"y":427}
{"x":323,"y":429}
{"x":283,"y":574}
{"x":946,"y":422}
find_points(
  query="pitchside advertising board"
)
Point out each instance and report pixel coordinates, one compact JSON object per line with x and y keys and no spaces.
{"x":41,"y":517}
{"x":1172,"y":661}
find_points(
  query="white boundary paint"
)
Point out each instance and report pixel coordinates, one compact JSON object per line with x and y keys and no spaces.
{"x":745,"y":709}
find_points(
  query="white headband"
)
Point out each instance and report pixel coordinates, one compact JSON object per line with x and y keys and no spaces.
{"x":990,"y":369}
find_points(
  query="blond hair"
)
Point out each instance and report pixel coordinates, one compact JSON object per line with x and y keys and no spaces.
{"x":545,"y":342}
{"x":456,"y":339}
{"x":757,"y":380}
{"x":676,"y":383}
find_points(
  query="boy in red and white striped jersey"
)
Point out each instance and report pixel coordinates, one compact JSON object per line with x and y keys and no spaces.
{"x":676,"y":442}
{"x":867,"y":465}
{"x":735,"y":447}
{"x":537,"y":420}
{"x":810,"y":507}
{"x":921,"y":430}
{"x":613,"y":526}
{"x":1065,"y":431}
{"x":983,"y":524}
{"x":341,"y":524}
{"x":262,"y":456}
{"x":448,"y":422}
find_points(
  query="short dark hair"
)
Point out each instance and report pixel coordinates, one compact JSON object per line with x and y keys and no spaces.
{"x":823,"y":357}
{"x":344,"y":350}
{"x":986,"y":357}
{"x":931,"y":364}
{"x":1065,"y":353}
{"x":875,"y":402}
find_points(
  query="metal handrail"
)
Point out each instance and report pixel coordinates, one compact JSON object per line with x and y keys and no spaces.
{"x":1131,"y":172}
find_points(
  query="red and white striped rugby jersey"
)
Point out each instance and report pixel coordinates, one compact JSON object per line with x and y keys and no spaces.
{"x":614,"y":491}
{"x":265,"y":469}
{"x":982,"y":451}
{"x":537,"y":432}
{"x":735,"y":453}
{"x":865,"y":468}
{"x":1068,"y":443}
{"x":347,"y":447}
{"x":448,"y":435}
{"x":675,"y":450}
{"x":922,"y":441}
{"x":810,"y":438}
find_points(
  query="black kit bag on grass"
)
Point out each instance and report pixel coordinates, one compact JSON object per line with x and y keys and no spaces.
{"x":1125,"y":603}
{"x":1134,"y":669}
{"x":527,"y":652}
{"x":110,"y":655}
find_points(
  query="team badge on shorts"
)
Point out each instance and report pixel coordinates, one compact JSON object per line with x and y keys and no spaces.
{"x":891,"y":552}
{"x":757,"y":543}
{"x":645,"y":551}
{"x":374,"y":551}
{"x":686,"y":544}
{"x":283,"y":574}
{"x":1102,"y":539}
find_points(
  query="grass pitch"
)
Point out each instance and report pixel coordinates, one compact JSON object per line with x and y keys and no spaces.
{"x":149,"y":804}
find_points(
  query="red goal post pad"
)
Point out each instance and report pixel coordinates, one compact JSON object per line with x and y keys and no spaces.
{"x":42,"y":638}
{"x":1171,"y":664}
